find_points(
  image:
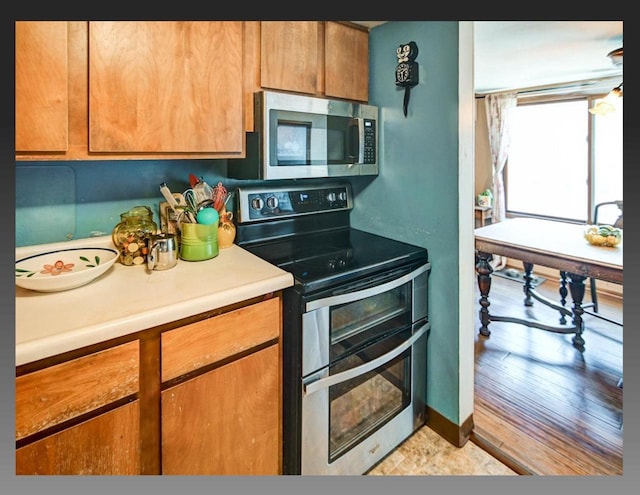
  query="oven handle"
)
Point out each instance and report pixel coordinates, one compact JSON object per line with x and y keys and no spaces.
{"x":368,"y":292}
{"x":313,"y":385}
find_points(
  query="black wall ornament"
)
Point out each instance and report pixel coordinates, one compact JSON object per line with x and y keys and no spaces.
{"x":407,"y":70}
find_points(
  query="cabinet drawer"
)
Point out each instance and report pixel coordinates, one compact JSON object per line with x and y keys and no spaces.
{"x":205,"y":342}
{"x":52,"y":395}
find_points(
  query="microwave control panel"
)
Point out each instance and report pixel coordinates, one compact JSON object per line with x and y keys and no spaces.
{"x":260,"y":204}
{"x":369,"y":145}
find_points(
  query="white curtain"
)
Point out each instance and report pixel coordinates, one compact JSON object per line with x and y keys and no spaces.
{"x":498,"y":109}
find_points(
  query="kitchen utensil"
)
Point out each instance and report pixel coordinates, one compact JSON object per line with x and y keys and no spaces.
{"x":190,"y":199}
{"x":203,"y":191}
{"x":193,"y":180}
{"x":194,"y":205}
{"x":208,"y":216}
{"x":219,"y":196}
{"x":163,"y":251}
{"x":184,"y":211}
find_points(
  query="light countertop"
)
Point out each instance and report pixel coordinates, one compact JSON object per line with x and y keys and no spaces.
{"x":127,"y":299}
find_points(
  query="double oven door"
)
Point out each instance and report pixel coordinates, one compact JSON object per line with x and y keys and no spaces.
{"x":363,"y":371}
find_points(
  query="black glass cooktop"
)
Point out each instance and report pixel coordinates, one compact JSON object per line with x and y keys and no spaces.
{"x":318,"y":261}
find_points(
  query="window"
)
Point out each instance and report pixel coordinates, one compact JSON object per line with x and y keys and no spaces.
{"x":551,"y":172}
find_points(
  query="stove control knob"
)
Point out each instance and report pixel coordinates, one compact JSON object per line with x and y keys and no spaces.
{"x":257,"y":203}
{"x":272,"y":202}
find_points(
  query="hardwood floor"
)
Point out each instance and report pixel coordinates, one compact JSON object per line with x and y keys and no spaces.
{"x":541,"y":406}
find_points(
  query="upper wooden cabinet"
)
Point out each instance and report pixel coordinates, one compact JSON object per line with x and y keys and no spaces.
{"x":165,"y":87}
{"x":319,"y":58}
{"x":289,"y":55}
{"x":42,"y":97}
{"x":169,"y":89}
{"x":346,"y":65}
{"x":323,"y":58}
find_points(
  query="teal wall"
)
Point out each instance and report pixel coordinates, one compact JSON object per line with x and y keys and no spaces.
{"x":415,"y":197}
{"x":62,"y":200}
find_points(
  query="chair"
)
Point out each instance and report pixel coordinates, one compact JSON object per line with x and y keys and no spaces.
{"x":616,"y":223}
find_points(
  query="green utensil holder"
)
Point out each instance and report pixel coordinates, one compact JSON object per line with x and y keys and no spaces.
{"x":198,"y":242}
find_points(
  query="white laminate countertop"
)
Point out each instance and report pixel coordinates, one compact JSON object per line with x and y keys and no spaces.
{"x":127,"y":299}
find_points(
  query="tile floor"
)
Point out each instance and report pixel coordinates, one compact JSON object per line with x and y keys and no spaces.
{"x":427,"y":453}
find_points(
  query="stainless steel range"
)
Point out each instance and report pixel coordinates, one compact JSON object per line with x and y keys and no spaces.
{"x":355,"y":327}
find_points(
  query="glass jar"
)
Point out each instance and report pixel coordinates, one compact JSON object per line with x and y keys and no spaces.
{"x":130,"y":235}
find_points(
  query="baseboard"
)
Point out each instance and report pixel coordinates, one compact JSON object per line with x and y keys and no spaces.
{"x":455,"y":434}
{"x":481,"y":441}
{"x":459,"y":435}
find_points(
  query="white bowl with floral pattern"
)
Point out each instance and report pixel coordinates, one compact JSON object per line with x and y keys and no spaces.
{"x":63,"y":269}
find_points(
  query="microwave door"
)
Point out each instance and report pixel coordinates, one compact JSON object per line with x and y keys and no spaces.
{"x":343,"y":141}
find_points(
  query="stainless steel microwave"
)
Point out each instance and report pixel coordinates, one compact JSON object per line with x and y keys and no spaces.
{"x":300,"y":137}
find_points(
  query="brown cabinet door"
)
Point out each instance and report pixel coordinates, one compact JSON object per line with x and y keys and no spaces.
{"x":346,"y":62}
{"x":105,"y":445}
{"x":226,"y":421}
{"x":53,"y":395}
{"x":41,"y":92}
{"x":289,"y":53}
{"x":167,"y":86}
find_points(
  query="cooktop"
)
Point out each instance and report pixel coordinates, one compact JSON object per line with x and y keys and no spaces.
{"x":305,"y":230}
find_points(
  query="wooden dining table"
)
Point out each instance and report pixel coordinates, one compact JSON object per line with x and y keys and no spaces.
{"x":552,"y":244}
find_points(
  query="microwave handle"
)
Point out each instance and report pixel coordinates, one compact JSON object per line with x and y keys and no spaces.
{"x":356,"y":141}
{"x":312,"y":384}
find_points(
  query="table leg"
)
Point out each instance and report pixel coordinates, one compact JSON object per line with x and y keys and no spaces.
{"x":528,"y":268}
{"x":483,"y":269}
{"x":576,"y":287}
{"x":563,"y":294}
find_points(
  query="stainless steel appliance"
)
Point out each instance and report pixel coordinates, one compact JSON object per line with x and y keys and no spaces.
{"x":305,"y":137}
{"x":355,"y":327}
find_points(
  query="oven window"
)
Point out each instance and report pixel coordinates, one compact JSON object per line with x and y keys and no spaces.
{"x":360,"y":406}
{"x":356,"y":323}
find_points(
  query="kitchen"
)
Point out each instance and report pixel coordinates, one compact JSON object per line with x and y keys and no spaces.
{"x":443,"y":145}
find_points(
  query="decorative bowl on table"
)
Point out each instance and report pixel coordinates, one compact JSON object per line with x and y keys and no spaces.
{"x":603,"y":235}
{"x":63,"y":269}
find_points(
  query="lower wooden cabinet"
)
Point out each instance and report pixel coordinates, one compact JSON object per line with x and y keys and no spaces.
{"x":80,"y":416}
{"x":221,"y":394}
{"x":226,"y":421}
{"x":106,"y":445}
{"x":202,"y":397}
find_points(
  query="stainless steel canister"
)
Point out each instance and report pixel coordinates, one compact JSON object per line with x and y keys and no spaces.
{"x":163,"y":251}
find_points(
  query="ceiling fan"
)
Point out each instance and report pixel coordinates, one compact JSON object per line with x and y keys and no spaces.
{"x":607,"y":104}
{"x":616,"y":56}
